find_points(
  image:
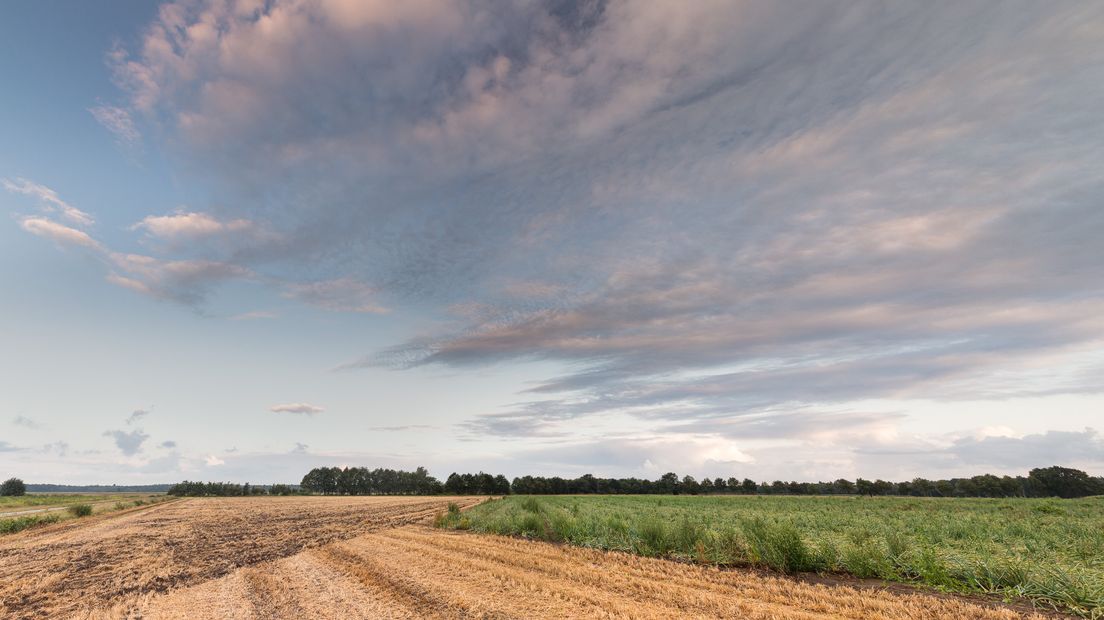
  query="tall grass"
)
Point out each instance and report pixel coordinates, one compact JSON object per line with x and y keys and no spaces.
{"x":18,"y":524}
{"x":1047,"y":551}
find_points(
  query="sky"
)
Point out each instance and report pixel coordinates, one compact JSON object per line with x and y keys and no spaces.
{"x":240,"y":239}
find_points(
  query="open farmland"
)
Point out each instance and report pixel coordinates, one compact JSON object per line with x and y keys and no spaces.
{"x":377,"y":557}
{"x":1048,"y":551}
{"x":44,"y":500}
{"x":83,"y":564}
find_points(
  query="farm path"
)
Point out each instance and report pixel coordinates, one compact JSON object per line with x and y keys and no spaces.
{"x":368,"y":558}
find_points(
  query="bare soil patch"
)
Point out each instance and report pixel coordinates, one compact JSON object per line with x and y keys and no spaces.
{"x":74,"y":566}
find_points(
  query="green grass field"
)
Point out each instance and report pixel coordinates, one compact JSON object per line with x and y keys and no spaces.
{"x":64,"y":506}
{"x":45,"y":500}
{"x":1050,"y":551}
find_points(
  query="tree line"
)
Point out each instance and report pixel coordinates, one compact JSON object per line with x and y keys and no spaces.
{"x":229,"y":489}
{"x":364,"y":481}
{"x":1041,"y":482}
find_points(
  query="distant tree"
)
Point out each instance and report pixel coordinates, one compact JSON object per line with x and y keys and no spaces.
{"x":864,"y":487}
{"x":706,"y":486}
{"x":719,"y":485}
{"x":749,"y":487}
{"x":669,"y":483}
{"x":13,"y":486}
{"x":690,"y":485}
{"x":843,"y":486}
{"x":881,"y":487}
{"x":1060,"y":482}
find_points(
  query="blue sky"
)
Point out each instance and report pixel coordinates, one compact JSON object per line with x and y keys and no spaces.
{"x":242,"y":239}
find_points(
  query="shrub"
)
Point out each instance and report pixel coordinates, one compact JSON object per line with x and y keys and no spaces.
{"x":80,"y":510}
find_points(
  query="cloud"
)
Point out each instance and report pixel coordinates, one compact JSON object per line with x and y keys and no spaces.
{"x":25,"y":422}
{"x":254,"y":315}
{"x":340,"y":295}
{"x":119,"y":122}
{"x":136,"y":415}
{"x":213,"y":461}
{"x":190,"y":225}
{"x":1029,"y":451}
{"x":48,"y":199}
{"x":401,"y":428}
{"x":300,"y":448}
{"x":182,"y":281}
{"x":185,"y":281}
{"x":732,"y":219}
{"x":167,"y":444}
{"x":59,"y":448}
{"x":7,"y":447}
{"x":59,"y":232}
{"x":299,"y":408}
{"x":129,"y":443}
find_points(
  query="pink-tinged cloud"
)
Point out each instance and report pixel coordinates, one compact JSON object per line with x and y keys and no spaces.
{"x":48,"y":199}
{"x":184,"y":224}
{"x":340,"y":295}
{"x":59,"y":232}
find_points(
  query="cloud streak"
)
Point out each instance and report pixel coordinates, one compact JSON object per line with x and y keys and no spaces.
{"x":306,"y":409}
{"x":48,"y":200}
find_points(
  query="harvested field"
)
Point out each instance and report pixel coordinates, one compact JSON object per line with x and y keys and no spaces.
{"x":375,"y":558}
{"x":85,"y":564}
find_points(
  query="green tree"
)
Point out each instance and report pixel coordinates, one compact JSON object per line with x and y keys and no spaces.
{"x":1059,"y":482}
{"x":13,"y":486}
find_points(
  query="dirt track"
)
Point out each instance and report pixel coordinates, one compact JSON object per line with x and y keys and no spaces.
{"x":363,"y":558}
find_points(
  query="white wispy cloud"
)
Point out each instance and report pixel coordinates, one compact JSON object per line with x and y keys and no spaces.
{"x":48,"y":200}
{"x":299,"y":408}
{"x":60,"y":233}
{"x":118,"y":121}
{"x":187,"y":224}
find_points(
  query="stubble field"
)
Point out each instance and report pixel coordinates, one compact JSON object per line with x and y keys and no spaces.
{"x":376,"y":557}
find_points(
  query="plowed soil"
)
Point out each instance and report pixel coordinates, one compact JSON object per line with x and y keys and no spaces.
{"x":376,"y":558}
